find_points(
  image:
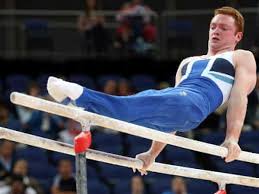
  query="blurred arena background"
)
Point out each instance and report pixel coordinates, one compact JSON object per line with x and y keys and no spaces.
{"x":114,"y":47}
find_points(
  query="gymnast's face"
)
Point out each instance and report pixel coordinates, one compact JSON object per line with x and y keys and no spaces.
{"x":223,"y":33}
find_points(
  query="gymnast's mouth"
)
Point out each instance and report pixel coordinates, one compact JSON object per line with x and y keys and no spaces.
{"x":215,"y":39}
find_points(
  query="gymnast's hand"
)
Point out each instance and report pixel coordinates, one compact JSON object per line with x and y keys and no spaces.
{"x":233,"y":150}
{"x":147,"y":158}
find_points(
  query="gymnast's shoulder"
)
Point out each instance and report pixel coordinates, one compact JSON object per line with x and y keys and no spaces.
{"x":242,"y":53}
{"x":244,"y":58}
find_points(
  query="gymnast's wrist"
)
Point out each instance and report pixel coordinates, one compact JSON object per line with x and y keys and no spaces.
{"x":231,"y":140}
{"x":152,"y":153}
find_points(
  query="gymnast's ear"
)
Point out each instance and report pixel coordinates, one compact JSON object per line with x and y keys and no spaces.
{"x":239,"y":36}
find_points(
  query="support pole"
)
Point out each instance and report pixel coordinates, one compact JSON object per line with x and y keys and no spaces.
{"x":81,"y":143}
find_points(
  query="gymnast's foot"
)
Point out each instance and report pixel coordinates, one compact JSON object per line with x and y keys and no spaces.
{"x":60,"y":89}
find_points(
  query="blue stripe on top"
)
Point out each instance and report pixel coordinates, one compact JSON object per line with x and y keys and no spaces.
{"x":198,"y":67}
{"x":222,"y":78}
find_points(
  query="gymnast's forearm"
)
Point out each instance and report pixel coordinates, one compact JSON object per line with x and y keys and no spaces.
{"x":157,"y":147}
{"x":235,"y":116}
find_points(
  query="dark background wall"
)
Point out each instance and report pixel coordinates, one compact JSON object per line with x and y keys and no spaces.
{"x":114,"y":5}
{"x":161,"y":70}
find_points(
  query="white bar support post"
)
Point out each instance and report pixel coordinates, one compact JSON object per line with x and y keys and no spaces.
{"x":81,"y":144}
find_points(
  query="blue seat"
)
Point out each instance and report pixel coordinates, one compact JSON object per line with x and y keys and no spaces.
{"x":201,"y":186}
{"x":91,"y":172}
{"x":159,"y":185}
{"x":153,"y":177}
{"x":41,"y":171}
{"x":237,"y":189}
{"x":42,"y":82}
{"x":97,"y":187}
{"x":138,"y":141}
{"x":236,"y":167}
{"x":83,"y":80}
{"x":173,"y":154}
{"x":46,"y":184}
{"x":114,"y":149}
{"x":108,"y":142}
{"x":143,"y":82}
{"x":136,"y":149}
{"x":249,"y":138}
{"x":122,"y":187}
{"x":114,"y":173}
{"x":187,"y":164}
{"x":257,"y":171}
{"x":56,"y":157}
{"x":103,"y":139}
{"x":17,"y":82}
{"x":32,"y":154}
{"x":253,"y":147}
{"x":38,"y":132}
{"x":214,"y":138}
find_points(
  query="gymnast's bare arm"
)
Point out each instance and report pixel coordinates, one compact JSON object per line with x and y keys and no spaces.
{"x":245,"y":80}
{"x":149,"y":157}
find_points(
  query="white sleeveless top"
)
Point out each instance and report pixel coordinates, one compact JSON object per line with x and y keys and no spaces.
{"x":219,"y":68}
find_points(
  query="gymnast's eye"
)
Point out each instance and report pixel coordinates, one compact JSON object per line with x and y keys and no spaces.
{"x":224,"y":28}
{"x":212,"y":26}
